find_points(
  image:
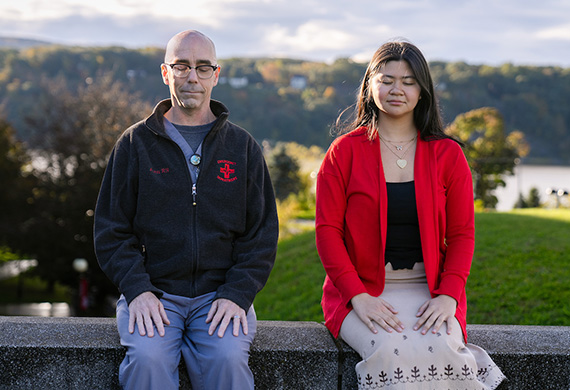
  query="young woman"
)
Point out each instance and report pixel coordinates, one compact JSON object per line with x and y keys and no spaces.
{"x":395,"y":233}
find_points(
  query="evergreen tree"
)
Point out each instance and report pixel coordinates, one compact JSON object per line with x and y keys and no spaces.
{"x":533,"y":197}
{"x":284,"y":171}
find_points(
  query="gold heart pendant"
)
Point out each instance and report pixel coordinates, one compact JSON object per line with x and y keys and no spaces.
{"x":402,"y":163}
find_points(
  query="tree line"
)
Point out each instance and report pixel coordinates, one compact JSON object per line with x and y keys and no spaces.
{"x":532,"y":100}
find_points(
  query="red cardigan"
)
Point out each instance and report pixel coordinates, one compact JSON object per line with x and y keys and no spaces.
{"x":351,"y":221}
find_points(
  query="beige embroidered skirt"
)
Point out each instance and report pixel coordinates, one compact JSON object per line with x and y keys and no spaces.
{"x":410,"y":360}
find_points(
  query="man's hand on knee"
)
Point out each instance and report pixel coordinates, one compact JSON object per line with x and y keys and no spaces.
{"x":147,"y":311}
{"x":224,"y":311}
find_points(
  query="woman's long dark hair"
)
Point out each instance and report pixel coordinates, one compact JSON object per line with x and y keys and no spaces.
{"x":427,"y":117}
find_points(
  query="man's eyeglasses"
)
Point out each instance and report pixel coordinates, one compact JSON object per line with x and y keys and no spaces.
{"x":183,"y":70}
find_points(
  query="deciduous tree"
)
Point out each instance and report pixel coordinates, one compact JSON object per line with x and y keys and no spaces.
{"x":74,"y":132}
{"x":491,"y":153}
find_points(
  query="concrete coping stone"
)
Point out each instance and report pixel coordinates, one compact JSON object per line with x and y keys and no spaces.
{"x":84,"y":352}
{"x":91,"y":332}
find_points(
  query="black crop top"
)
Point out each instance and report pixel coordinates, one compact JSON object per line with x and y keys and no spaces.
{"x":403,"y":243}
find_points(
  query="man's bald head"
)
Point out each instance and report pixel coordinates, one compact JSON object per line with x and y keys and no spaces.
{"x":183,"y":38}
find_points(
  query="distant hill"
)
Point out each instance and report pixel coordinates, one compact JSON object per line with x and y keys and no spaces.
{"x":279,"y":99}
{"x":21,"y":43}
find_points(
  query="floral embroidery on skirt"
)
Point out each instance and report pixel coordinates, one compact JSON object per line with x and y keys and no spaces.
{"x":410,"y":360}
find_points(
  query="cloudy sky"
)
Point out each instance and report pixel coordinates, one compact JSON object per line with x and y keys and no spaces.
{"x":523,"y":32}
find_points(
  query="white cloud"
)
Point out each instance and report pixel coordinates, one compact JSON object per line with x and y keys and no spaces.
{"x":558,"y":32}
{"x":308,"y":37}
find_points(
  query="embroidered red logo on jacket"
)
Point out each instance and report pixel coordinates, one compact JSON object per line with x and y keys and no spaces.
{"x":227,"y":170}
{"x":159,"y":171}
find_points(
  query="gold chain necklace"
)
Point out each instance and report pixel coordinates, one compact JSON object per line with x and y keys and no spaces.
{"x":401,"y":162}
{"x":393,"y":143}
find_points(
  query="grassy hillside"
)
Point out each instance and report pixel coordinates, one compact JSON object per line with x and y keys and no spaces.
{"x":519,"y":275}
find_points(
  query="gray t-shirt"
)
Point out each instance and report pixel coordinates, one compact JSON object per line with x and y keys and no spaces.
{"x":194,"y":135}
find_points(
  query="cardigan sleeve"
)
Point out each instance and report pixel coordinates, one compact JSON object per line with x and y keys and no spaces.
{"x":331,"y":203}
{"x":459,"y":238}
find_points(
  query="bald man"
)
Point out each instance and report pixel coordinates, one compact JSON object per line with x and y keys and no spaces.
{"x":186,"y":228}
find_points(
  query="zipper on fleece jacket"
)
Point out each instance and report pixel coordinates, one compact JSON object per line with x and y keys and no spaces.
{"x":194,"y":264}
{"x":193,"y":227}
{"x":193,"y":211}
{"x":194,"y":230}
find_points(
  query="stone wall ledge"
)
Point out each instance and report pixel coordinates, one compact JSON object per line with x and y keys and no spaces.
{"x":84,"y":353}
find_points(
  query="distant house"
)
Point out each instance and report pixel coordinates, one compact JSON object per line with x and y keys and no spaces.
{"x":234,"y":82}
{"x":238,"y":82}
{"x":298,"y":82}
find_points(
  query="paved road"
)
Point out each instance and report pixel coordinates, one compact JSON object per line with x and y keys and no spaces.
{"x":44,"y":309}
{"x":13,"y":268}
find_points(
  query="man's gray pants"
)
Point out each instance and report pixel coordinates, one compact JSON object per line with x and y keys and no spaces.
{"x":212,"y":362}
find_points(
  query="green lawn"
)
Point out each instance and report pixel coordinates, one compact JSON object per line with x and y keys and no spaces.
{"x":521,"y":269}
{"x":293,"y":291}
{"x":520,"y":273}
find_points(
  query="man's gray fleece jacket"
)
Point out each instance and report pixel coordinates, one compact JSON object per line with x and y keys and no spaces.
{"x":150,"y":237}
